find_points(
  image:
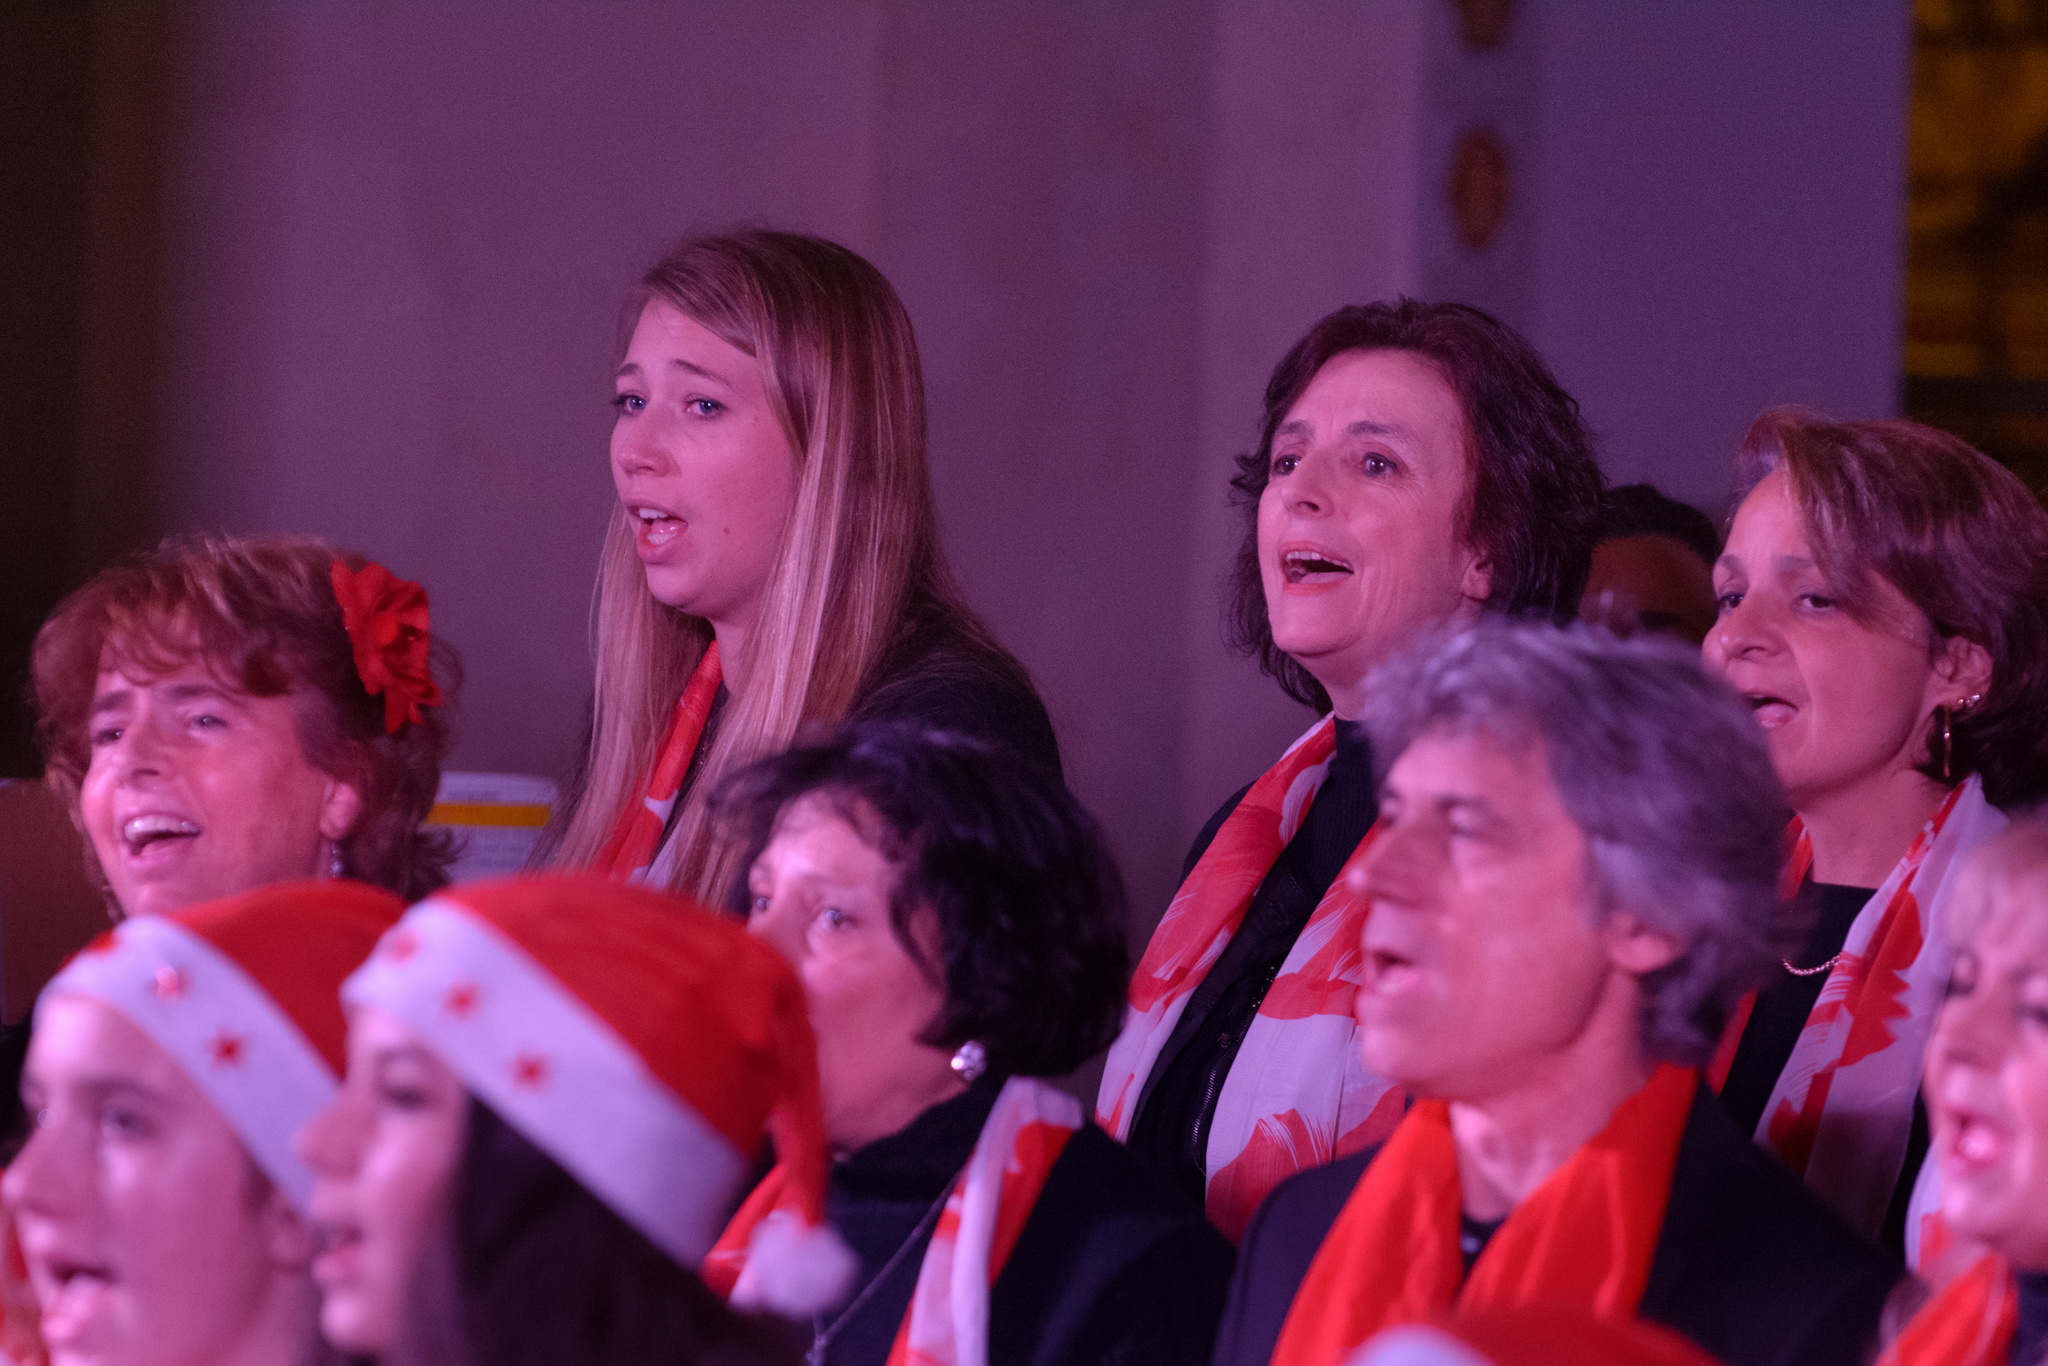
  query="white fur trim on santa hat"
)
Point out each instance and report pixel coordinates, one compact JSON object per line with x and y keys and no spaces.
{"x":551,"y":1068}
{"x":219,"y":1025}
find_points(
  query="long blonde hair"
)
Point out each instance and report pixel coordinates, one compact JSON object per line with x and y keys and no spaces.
{"x":860,"y":549}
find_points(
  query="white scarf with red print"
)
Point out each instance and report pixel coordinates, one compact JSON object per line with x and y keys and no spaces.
{"x":1298,"y":1094}
{"x":1842,"y":1111}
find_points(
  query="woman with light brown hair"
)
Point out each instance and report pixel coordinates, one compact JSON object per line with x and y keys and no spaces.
{"x":1883,"y":608}
{"x":774,"y":558}
{"x":225,"y":712}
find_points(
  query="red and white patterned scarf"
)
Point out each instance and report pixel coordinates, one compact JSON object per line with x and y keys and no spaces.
{"x":1842,"y":1111}
{"x":630,"y":851}
{"x":947,"y":1324}
{"x":1298,"y":1094}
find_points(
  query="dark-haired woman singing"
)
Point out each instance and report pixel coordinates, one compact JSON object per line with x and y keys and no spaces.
{"x":957,"y":925}
{"x":1419,"y":465}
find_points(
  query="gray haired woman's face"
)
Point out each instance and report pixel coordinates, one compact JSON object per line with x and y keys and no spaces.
{"x":1485,"y":963}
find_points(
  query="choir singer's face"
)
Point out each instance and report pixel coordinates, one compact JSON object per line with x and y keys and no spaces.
{"x":1987,"y":1063}
{"x":1361,"y":524}
{"x":705,"y":473}
{"x":385,"y":1155}
{"x":151,"y":1237}
{"x":196,"y":790}
{"x":1844,"y":699}
{"x":820,"y":896}
{"x":1486,"y":963}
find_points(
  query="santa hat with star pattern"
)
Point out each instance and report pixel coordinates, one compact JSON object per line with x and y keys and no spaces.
{"x":651,"y":1048}
{"x":244,"y":994}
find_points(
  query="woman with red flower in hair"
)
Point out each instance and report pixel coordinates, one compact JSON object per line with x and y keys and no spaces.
{"x":225,"y":712}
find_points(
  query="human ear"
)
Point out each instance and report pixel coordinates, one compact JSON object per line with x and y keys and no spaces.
{"x":1476,"y":585}
{"x":1638,"y":949}
{"x":341,"y":806}
{"x":1962,"y":668}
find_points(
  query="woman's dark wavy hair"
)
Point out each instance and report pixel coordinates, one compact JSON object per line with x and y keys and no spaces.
{"x":1955,"y":532}
{"x":1533,"y":509}
{"x":540,"y":1272}
{"x":259,"y":611}
{"x":1028,"y":902}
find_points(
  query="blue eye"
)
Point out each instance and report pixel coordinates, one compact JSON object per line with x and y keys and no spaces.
{"x":705,"y":407}
{"x":628,"y":403}
{"x":834,"y":918}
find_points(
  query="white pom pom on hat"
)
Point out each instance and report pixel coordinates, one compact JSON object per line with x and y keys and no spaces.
{"x":647,"y":1045}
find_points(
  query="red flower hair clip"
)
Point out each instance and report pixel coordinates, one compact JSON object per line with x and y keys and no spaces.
{"x":386,"y":619}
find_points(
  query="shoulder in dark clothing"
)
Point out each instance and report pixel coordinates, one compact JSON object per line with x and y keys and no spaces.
{"x":1750,"y":1264}
{"x":1114,"y":1266}
{"x":1755,"y":1267}
{"x":941,"y":675}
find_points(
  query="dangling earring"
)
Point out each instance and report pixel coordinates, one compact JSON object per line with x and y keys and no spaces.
{"x":1962,"y":705}
{"x":971,"y":1061}
{"x":335,"y":867}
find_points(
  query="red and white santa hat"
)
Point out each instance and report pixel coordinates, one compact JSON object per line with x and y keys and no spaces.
{"x":648,"y":1046}
{"x":244,"y":994}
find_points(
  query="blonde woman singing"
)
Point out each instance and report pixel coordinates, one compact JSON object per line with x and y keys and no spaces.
{"x":775,"y":556}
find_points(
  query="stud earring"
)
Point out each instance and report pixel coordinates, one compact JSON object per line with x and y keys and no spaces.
{"x":971,"y":1061}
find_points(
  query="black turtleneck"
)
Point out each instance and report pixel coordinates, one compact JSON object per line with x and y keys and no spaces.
{"x":1178,"y":1102}
{"x":877,"y":1197}
{"x":2030,"y":1339}
{"x":1773,"y":1031}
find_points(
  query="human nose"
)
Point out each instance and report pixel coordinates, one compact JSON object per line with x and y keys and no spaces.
{"x":1305,"y":489}
{"x":1746,"y":628}
{"x":637,"y":448}
{"x":332,"y":1141}
{"x":779,"y":927}
{"x":1967,"y":1033}
{"x":1394,"y":868}
{"x":40,"y":1180}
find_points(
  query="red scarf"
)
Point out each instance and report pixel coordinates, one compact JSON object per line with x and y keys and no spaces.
{"x":635,"y":839}
{"x":1584,"y":1238}
{"x":1298,"y":1094}
{"x":1971,"y":1323}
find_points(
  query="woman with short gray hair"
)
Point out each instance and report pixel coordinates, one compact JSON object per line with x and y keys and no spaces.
{"x":1575,"y":884}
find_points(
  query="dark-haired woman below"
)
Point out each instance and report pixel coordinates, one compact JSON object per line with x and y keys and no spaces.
{"x":1418,"y":465}
{"x":1884,"y":609}
{"x":557,"y":1089}
{"x":957,"y":925}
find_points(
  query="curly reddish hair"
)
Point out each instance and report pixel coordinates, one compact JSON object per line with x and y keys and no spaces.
{"x":260,"y":611}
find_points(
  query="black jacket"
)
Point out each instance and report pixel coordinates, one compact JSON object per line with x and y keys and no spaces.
{"x":1750,"y":1264}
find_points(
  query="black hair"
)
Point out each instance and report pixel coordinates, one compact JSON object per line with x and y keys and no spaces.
{"x":1645,"y":510}
{"x":1535,"y":497}
{"x":537,"y":1271}
{"x":1028,"y":902}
